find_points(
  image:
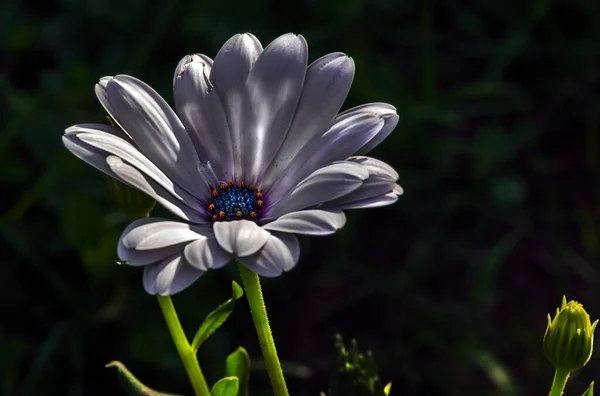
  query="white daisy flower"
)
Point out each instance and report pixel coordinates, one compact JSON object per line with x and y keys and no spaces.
{"x":254,"y":153}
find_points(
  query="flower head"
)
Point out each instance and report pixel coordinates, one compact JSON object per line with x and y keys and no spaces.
{"x":569,"y":338}
{"x":254,"y":153}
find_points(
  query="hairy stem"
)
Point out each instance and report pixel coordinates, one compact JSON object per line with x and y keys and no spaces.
{"x":263,"y":330}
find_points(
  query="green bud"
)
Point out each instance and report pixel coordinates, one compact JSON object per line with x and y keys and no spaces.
{"x":134,"y":203}
{"x":569,"y":338}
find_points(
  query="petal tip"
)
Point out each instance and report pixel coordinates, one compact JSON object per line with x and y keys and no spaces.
{"x":247,"y":36}
{"x":71,"y":130}
{"x":104,"y":80}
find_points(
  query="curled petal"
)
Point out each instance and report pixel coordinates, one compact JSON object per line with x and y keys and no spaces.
{"x":154,"y":233}
{"x":98,"y":146}
{"x":131,"y":176}
{"x":279,"y":254}
{"x":240,"y":238}
{"x":309,"y":222}
{"x":388,"y":114}
{"x":338,"y":143}
{"x":169,"y":276}
{"x":381,"y":181}
{"x":373,"y":202}
{"x":149,"y":240}
{"x":206,"y":254}
{"x":328,"y":183}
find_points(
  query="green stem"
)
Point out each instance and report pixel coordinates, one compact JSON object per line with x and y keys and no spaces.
{"x":559,"y":382}
{"x":186,"y":353}
{"x":265,"y":337}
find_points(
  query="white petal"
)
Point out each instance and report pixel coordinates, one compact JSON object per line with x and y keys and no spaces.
{"x":156,"y":130}
{"x":338,"y":143}
{"x":102,"y":95}
{"x":154,"y":183}
{"x":229,"y":73}
{"x":134,"y":178}
{"x":373,"y":202}
{"x":169,"y":276}
{"x":309,"y":222}
{"x":325,"y":184}
{"x":206,"y":254}
{"x":101,"y":138}
{"x":155,"y":233}
{"x":398,"y":190}
{"x":200,"y":110}
{"x":382,"y":180}
{"x":88,"y":154}
{"x":375,"y":167}
{"x":186,"y":60}
{"x":149,"y":240}
{"x":279,"y":254}
{"x":137,"y":258}
{"x":273,"y":87}
{"x":387,"y":112}
{"x":241,"y":237}
{"x":327,"y":82}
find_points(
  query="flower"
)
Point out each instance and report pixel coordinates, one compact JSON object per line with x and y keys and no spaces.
{"x":254,"y":153}
{"x":569,"y":338}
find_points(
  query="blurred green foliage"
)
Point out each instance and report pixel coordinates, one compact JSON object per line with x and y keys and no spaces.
{"x":497,"y":149}
{"x":355,"y":373}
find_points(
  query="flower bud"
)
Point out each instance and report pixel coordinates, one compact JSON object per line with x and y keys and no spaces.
{"x":569,"y":337}
{"x":134,"y":203}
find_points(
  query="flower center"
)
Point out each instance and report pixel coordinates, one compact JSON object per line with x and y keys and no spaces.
{"x":234,"y":201}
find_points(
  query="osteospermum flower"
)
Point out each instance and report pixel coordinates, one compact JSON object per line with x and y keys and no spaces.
{"x":254,"y":153}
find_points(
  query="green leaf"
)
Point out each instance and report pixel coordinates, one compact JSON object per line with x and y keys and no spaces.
{"x":238,"y":365}
{"x":132,"y":385}
{"x":227,"y":386}
{"x":590,"y":390}
{"x":216,"y":318}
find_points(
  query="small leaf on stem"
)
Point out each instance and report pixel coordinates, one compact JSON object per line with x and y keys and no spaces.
{"x":590,"y":390}
{"x":227,"y":386}
{"x":216,"y":318}
{"x":238,"y":365}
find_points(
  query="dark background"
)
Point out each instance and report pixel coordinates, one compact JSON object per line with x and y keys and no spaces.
{"x":497,"y":149}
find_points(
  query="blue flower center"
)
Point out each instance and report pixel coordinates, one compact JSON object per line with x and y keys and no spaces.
{"x":232,"y":201}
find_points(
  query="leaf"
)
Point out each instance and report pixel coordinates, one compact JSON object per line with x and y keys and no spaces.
{"x":132,"y":385}
{"x":238,"y":365}
{"x":216,"y":318}
{"x":227,"y":386}
{"x":590,"y":390}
